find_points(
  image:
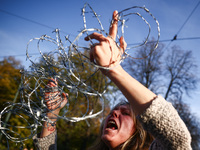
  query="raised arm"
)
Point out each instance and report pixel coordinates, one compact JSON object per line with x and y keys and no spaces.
{"x":107,"y":54}
{"x":157,"y":116}
{"x":54,"y":102}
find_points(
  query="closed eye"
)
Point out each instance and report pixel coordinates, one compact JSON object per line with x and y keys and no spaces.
{"x":126,"y":113}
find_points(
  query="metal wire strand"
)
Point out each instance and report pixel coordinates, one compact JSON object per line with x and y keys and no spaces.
{"x":67,"y":64}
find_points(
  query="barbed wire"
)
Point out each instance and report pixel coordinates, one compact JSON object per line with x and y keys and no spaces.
{"x":67,"y":63}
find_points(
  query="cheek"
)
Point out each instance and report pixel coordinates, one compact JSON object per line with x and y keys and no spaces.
{"x":130,"y":126}
{"x":127,"y":131}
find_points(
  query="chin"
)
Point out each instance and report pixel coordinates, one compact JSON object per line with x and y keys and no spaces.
{"x":110,"y":141}
{"x":107,"y":139}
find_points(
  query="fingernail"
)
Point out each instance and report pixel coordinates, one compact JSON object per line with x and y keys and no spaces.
{"x":115,"y":15}
{"x":86,"y":38}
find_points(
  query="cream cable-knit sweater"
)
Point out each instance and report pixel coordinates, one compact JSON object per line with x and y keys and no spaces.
{"x":160,"y":119}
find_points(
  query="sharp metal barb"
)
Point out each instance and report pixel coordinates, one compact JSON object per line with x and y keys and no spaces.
{"x":66,"y":64}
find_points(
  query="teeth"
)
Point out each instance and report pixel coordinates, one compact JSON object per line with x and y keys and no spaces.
{"x":111,"y":122}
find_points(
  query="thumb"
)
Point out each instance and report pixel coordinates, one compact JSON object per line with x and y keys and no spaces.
{"x":65,"y":99}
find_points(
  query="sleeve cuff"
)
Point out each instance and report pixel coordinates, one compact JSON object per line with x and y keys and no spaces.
{"x":46,"y":143}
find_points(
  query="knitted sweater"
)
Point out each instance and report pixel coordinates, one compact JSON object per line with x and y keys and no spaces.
{"x":160,"y":119}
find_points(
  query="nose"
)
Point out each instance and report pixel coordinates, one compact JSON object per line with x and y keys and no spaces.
{"x":115,"y":113}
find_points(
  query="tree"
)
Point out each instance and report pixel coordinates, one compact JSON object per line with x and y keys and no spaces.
{"x":180,"y":70}
{"x":79,"y":135}
{"x":147,"y":70}
{"x":10,"y":78}
{"x":171,"y":75}
{"x":82,"y":77}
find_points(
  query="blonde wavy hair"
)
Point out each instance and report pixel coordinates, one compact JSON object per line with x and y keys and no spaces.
{"x":140,"y":140}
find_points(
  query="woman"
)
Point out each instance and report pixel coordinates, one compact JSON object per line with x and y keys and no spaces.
{"x":131,"y":134}
{"x":157,"y":116}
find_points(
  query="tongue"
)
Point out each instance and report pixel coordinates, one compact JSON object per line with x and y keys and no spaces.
{"x":113,"y":128}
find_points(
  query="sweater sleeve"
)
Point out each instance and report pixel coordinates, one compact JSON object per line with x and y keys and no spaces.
{"x":163,"y":122}
{"x":46,"y":143}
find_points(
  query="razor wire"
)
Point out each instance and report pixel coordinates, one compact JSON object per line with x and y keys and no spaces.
{"x":66,"y":62}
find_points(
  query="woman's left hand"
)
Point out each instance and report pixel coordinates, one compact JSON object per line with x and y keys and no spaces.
{"x":54,"y":100}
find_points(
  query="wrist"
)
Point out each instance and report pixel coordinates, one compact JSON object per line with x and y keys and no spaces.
{"x":115,"y":72}
{"x":53,"y":115}
{"x":48,"y":128}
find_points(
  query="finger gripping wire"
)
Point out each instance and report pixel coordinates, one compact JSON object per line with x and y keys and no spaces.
{"x":69,"y":64}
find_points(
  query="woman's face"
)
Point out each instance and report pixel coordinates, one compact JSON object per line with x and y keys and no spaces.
{"x":118,"y":126}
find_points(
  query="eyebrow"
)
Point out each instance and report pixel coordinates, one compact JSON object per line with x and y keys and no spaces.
{"x":122,"y":107}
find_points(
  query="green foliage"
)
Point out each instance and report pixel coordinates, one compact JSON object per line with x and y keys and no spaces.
{"x":79,"y":135}
{"x":19,"y":133}
{"x":10,"y":78}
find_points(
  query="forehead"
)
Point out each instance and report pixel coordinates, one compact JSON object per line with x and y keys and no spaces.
{"x":123,"y":106}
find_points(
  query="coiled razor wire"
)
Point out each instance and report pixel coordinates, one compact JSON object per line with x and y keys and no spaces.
{"x":69,"y":66}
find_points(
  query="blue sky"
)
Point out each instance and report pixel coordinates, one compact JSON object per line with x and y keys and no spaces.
{"x":15,"y":32}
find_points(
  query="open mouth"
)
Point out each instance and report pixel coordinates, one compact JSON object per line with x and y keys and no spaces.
{"x":111,"y":125}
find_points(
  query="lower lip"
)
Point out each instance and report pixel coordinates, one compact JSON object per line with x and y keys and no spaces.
{"x":110,"y":130}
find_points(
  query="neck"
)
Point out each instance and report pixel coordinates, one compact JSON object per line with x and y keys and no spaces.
{"x":116,"y":148}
